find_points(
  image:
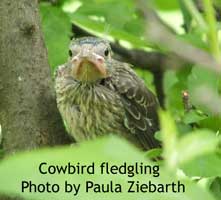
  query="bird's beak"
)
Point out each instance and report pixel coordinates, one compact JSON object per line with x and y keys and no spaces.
{"x":88,"y":67}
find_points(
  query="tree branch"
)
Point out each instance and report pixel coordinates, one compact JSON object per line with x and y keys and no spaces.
{"x":159,"y":34}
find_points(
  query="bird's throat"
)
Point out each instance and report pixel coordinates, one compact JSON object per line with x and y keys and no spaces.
{"x":88,"y":71}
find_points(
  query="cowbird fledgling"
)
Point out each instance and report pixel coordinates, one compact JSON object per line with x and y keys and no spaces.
{"x":97,"y":95}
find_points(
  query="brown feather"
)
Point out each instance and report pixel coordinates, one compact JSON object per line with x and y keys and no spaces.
{"x":139,"y":103}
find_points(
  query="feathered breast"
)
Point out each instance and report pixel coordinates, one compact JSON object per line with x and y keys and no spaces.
{"x":88,"y":109}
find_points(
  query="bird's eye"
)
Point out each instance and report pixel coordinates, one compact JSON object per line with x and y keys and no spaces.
{"x":70,"y":53}
{"x":106,"y":52}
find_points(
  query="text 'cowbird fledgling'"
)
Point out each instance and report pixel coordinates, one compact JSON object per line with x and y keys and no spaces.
{"x":97,"y":95}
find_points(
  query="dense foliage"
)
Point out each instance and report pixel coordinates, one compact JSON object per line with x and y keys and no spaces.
{"x":191,"y":122}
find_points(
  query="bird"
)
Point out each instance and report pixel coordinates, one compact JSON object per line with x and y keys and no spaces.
{"x":98,"y":95}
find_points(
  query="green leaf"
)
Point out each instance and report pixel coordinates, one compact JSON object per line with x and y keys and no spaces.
{"x":25,"y":166}
{"x":201,"y":77}
{"x":182,"y":128}
{"x":174,"y":92}
{"x":217,"y":3}
{"x":198,"y":155}
{"x":99,"y":28}
{"x":121,"y":14}
{"x":203,"y":166}
{"x":216,"y":188}
{"x":169,"y":139}
{"x":170,"y":79}
{"x":123,"y":22}
{"x":154,"y":153}
{"x":211,"y":122}
{"x":1,"y":153}
{"x":169,"y":5}
{"x":193,"y":117}
{"x":57,"y":31}
{"x":175,"y":101}
{"x":195,"y":144}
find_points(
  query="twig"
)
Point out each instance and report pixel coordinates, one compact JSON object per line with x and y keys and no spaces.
{"x":186,"y":101}
{"x":160,"y":35}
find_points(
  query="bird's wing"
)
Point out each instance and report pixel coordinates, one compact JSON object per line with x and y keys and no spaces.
{"x":140,"y":105}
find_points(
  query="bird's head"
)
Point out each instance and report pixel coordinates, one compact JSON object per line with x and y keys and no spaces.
{"x":89,"y":58}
